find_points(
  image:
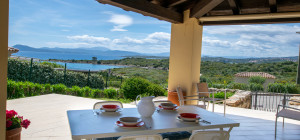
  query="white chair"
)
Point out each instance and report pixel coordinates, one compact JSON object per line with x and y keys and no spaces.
{"x":142,"y":137}
{"x":99,"y":104}
{"x":182,"y":99}
{"x":204,"y":95}
{"x":210,"y":135}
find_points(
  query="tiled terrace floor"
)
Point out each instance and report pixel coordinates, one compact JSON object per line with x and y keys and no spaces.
{"x":49,"y":119}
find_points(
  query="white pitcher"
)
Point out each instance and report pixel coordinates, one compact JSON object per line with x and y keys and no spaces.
{"x":146,"y":106}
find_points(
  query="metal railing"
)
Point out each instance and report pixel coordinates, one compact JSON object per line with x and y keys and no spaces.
{"x":269,"y":101}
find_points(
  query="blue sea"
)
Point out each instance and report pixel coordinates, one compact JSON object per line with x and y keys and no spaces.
{"x":92,"y":67}
{"x":70,"y":56}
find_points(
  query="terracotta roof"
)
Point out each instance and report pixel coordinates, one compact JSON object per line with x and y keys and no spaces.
{"x":13,"y":50}
{"x":250,"y":74}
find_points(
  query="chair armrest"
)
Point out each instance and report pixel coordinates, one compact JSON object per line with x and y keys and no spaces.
{"x":206,"y":92}
{"x":288,"y":107}
{"x":192,"y":96}
{"x":188,"y":99}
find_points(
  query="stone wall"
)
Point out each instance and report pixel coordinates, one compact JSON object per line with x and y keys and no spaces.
{"x":295,"y":98}
{"x":241,"y":98}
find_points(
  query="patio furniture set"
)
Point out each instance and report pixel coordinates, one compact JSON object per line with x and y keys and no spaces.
{"x":165,"y":123}
{"x":102,"y":123}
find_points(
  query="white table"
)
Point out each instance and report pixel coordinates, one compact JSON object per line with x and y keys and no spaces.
{"x":85,"y":125}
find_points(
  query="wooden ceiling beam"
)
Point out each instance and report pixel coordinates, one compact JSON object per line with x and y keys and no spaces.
{"x":147,"y":8}
{"x":203,"y":6}
{"x":234,"y":6}
{"x":288,"y":17}
{"x":176,"y":3}
{"x":273,"y":6}
{"x":256,"y":21}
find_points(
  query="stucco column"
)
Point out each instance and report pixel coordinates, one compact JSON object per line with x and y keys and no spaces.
{"x":185,"y":55}
{"x":3,"y":64}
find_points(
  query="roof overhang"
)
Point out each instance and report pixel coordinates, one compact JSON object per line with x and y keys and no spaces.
{"x":215,"y":12}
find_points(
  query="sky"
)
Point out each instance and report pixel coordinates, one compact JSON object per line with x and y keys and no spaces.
{"x":87,"y":24}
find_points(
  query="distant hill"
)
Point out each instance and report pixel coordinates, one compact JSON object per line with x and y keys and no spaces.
{"x":250,"y":60}
{"x":92,"y":51}
{"x":28,"y":48}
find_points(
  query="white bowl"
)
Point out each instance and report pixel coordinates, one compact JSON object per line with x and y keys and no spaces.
{"x":110,"y":108}
{"x":168,"y":105}
{"x":130,"y":121}
{"x":189,"y":117}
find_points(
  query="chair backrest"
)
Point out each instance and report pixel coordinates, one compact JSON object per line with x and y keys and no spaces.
{"x":202,"y":90}
{"x":99,"y":104}
{"x":141,"y":137}
{"x":210,"y":135}
{"x":180,"y":96}
{"x":157,"y":103}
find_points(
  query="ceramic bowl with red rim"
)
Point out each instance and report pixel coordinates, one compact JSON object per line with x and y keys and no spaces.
{"x":189,"y":117}
{"x":110,"y":108}
{"x":130,"y":121}
{"x":118,"y":123}
{"x":168,"y":106}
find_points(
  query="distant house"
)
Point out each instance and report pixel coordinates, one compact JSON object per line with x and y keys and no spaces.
{"x":243,"y":77}
{"x":12,"y":50}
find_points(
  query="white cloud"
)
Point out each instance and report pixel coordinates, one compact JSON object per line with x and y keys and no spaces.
{"x":157,"y":42}
{"x":69,"y":44}
{"x":120,"y":21}
{"x":89,"y":39}
{"x":251,"y":40}
{"x":154,"y":38}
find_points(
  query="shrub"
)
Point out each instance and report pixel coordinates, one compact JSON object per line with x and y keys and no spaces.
{"x":76,"y":90}
{"x":156,"y":90}
{"x":254,"y":87}
{"x":110,"y":93}
{"x":98,"y":93}
{"x":240,"y":86}
{"x":292,"y":88}
{"x":136,"y":86}
{"x":222,"y":94}
{"x":218,"y":86}
{"x":48,"y":88}
{"x":59,"y":89}
{"x":44,"y":73}
{"x":283,"y":88}
{"x":116,"y":84}
{"x":257,"y":80}
{"x":204,"y":79}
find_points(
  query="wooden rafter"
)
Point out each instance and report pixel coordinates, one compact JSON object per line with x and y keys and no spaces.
{"x":273,"y":6}
{"x":290,"y":17}
{"x":147,"y":8}
{"x":256,"y":21}
{"x":204,"y":6}
{"x":174,"y":3}
{"x":234,"y":6}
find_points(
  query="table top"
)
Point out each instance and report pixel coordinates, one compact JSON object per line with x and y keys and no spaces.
{"x":84,"y":124}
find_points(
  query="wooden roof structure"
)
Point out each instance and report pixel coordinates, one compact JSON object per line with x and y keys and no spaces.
{"x":216,"y":12}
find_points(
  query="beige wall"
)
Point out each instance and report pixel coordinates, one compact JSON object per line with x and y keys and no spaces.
{"x":3,"y":64}
{"x":185,"y":55}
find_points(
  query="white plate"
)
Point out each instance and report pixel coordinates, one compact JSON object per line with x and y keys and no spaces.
{"x":188,"y":119}
{"x":171,"y":109}
{"x":104,"y":111}
{"x":118,"y":123}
